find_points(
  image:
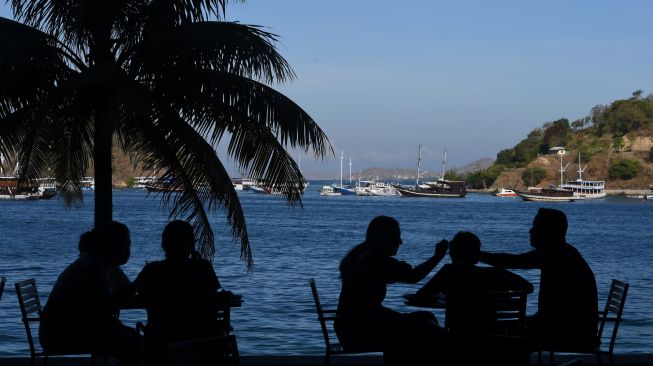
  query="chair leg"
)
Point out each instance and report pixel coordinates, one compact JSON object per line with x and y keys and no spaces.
{"x":539,"y":358}
{"x":45,"y":360}
{"x":327,"y":358}
{"x":551,"y":358}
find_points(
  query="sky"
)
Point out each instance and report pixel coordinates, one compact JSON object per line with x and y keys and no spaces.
{"x":382,"y":77}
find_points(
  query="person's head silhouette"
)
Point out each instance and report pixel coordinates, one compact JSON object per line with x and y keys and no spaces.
{"x":86,"y":242}
{"x":384,"y":234}
{"x":465,"y":248}
{"x":113,"y":243}
{"x":178,"y":240}
{"x":549,"y":228}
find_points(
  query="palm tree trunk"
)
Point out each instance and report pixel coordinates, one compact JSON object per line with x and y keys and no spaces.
{"x":102,"y":165}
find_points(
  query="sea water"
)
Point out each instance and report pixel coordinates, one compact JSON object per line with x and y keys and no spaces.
{"x":292,"y":244}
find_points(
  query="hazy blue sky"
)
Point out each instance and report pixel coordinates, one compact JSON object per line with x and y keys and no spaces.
{"x":381,"y":77}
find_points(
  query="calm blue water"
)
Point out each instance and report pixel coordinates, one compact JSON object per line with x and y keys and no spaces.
{"x":290,"y":245}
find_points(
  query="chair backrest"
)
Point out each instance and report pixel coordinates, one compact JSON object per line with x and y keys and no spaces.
{"x":320,"y":313}
{"x":614,"y":307}
{"x":30,"y":307}
{"x":2,"y":285}
{"x":495,"y":312}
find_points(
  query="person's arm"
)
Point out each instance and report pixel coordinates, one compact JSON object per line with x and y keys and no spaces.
{"x":434,"y":285}
{"x":513,"y":281}
{"x":420,"y":271}
{"x":528,"y":260}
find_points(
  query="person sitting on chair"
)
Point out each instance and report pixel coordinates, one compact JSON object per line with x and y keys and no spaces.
{"x":567,"y":316}
{"x":363,"y":322}
{"x":79,"y":314}
{"x":464,"y":281}
{"x":180,"y":293}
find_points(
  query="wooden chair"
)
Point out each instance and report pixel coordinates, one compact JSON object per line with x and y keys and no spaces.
{"x":220,"y":347}
{"x":329,"y":315}
{"x":493,"y":312}
{"x":612,"y":313}
{"x":30,"y":308}
{"x":2,"y":285}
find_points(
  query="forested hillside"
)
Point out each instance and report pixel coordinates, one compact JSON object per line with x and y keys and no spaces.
{"x":614,"y":142}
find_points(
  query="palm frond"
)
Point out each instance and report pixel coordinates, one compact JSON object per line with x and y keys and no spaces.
{"x":234,"y":48}
{"x":30,"y":66}
{"x":160,"y":139}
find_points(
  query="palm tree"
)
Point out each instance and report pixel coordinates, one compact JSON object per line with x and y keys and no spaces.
{"x":167,"y":80}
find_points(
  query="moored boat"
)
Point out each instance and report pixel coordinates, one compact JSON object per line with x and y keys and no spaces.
{"x":551,"y":194}
{"x":373,"y":188}
{"x":504,"y":192}
{"x":586,"y":188}
{"x":14,"y":188}
{"x":329,"y":191}
{"x":442,"y":188}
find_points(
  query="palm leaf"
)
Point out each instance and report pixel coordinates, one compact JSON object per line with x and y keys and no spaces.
{"x":160,"y":139}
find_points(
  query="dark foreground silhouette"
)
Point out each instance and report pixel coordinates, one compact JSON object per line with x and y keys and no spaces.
{"x":79,"y":314}
{"x":180,"y":293}
{"x":567,"y":304}
{"x":465,"y":284}
{"x":363,"y":322}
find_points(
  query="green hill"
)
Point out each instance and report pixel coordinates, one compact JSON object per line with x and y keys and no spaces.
{"x":615,"y":142}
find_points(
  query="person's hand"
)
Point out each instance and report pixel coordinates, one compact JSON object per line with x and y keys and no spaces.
{"x":441,"y":248}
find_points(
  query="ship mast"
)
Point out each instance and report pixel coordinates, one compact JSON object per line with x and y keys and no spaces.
{"x":580,"y":170}
{"x":562,"y":170}
{"x":342,"y":157}
{"x":419,"y":160}
{"x":444,"y":163}
{"x":350,"y":169}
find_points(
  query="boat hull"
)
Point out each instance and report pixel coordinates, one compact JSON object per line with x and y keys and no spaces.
{"x":534,"y":197}
{"x":411,"y":192}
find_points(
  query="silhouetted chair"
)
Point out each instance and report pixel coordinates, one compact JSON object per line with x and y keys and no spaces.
{"x":30,"y":308}
{"x":329,"y":315}
{"x":2,"y":285}
{"x":612,"y":313}
{"x":205,"y":351}
{"x":494,"y":312}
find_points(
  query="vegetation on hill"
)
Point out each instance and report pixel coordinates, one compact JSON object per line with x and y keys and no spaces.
{"x":614,"y":141}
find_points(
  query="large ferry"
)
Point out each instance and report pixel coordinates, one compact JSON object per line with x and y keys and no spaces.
{"x":586,"y":188}
{"x":14,"y":188}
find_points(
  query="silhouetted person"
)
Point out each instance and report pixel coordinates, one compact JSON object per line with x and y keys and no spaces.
{"x":463,"y":282}
{"x":180,"y":292}
{"x":86,"y":242}
{"x":79,"y":313}
{"x":363,"y":322}
{"x":567,"y":314}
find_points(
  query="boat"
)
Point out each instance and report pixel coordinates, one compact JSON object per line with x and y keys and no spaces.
{"x":442,"y":188}
{"x":329,"y":191}
{"x":87,"y":184}
{"x":503,"y":192}
{"x":590,"y":189}
{"x":344,"y":189}
{"x":373,"y":188}
{"x":550,"y":194}
{"x":142,"y":182}
{"x":14,"y":188}
{"x":166,"y":184}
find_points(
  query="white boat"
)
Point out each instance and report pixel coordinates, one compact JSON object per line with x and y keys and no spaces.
{"x":503,"y":192}
{"x":372,"y":188}
{"x":642,"y":196}
{"x":329,"y":191}
{"x":87,"y":184}
{"x":142,"y":182}
{"x":587,"y":188}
